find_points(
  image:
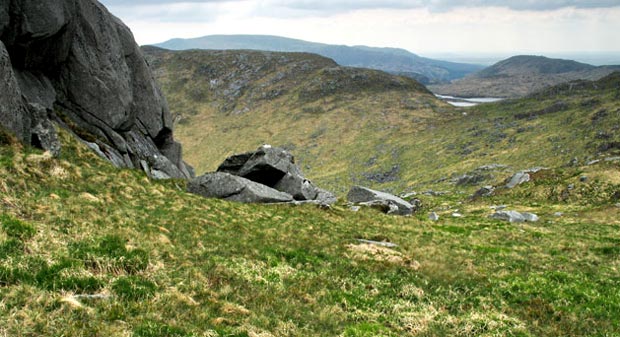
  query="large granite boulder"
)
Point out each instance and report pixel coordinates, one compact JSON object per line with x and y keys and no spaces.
{"x":267,"y":165}
{"x":13,"y":114}
{"x":81,"y":65}
{"x":276,"y":168}
{"x":386,"y":202}
{"x":230,"y":187}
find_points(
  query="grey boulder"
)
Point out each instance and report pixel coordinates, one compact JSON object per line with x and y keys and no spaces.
{"x":80,"y":65}
{"x":275,"y":167}
{"x":514,"y":216}
{"x":226,"y":186}
{"x":267,"y":165}
{"x":388,"y":203}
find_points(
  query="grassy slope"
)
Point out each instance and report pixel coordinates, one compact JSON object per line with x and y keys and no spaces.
{"x":339,"y":122}
{"x":348,"y":138}
{"x":172,"y":264}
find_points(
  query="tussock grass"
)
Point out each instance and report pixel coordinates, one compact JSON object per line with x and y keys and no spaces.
{"x":105,"y":252}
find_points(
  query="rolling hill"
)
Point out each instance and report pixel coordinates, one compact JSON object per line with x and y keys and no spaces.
{"x":90,"y":249}
{"x":355,"y":126}
{"x":393,"y":60}
{"x":521,"y":75}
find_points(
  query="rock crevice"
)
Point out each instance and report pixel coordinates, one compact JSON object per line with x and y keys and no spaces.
{"x":72,"y":57}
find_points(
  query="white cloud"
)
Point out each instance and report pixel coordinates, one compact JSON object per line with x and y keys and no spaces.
{"x":474,"y":26}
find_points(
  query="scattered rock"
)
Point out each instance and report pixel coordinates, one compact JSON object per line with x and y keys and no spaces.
{"x":433,"y":216}
{"x":518,"y":179}
{"x":485,"y":191}
{"x":230,"y":187}
{"x":389,"y":203}
{"x":457,"y":215}
{"x":522,"y":177}
{"x":583,"y":179}
{"x":514,"y":216}
{"x":435,"y":193}
{"x":355,"y":208}
{"x":612,"y":159}
{"x":558,"y":214}
{"x":498,"y":207}
{"x":592,"y":162}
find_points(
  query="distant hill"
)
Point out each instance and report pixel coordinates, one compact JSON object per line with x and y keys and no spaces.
{"x":521,"y":75}
{"x":359,"y":126}
{"x":393,"y":60}
{"x":344,"y":124}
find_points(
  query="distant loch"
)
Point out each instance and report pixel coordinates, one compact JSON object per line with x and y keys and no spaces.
{"x":467,"y":102}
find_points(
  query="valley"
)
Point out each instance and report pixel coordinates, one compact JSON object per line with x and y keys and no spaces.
{"x":496,"y":219}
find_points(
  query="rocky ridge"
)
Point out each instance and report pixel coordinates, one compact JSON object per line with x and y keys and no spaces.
{"x":521,"y":75}
{"x":74,"y":64}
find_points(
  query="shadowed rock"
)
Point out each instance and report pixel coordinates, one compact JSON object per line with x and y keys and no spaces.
{"x":74,"y":58}
{"x":276,"y":168}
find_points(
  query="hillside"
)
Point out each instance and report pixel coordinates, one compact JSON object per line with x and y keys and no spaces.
{"x":339,"y":122}
{"x":89,"y":249}
{"x":521,"y":75}
{"x":385,"y":135}
{"x":393,"y":60}
{"x":93,"y":247}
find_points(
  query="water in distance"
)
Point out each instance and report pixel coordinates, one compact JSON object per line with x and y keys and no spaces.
{"x":467,"y":102}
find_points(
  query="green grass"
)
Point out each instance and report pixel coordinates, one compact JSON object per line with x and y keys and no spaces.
{"x":375,"y":135}
{"x":161,"y":262}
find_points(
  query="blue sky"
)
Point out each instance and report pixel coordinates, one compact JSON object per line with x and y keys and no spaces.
{"x":421,"y":26}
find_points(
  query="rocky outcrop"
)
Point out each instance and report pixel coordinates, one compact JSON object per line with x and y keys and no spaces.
{"x":73,"y":62}
{"x":386,"y":202}
{"x":275,"y":168}
{"x":233,"y":188}
{"x":268,"y":174}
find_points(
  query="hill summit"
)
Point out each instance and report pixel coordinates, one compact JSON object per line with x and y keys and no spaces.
{"x":393,"y":60}
{"x":520,"y":75}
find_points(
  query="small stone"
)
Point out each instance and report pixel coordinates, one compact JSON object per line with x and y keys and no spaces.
{"x":558,"y":214}
{"x":433,"y":216}
{"x":583,"y":179}
{"x":355,"y":208}
{"x":457,"y":215}
{"x":571,"y":187}
{"x":618,"y":205}
{"x":530,"y":217}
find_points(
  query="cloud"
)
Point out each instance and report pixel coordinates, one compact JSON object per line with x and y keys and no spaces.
{"x":339,"y":6}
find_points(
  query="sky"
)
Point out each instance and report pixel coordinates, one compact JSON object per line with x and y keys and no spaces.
{"x":421,"y":26}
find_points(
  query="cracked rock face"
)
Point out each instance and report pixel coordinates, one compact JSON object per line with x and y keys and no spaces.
{"x":81,"y":65}
{"x":266,"y":175}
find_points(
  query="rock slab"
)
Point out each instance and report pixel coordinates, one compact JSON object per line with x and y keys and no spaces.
{"x":226,"y":186}
{"x":514,"y":216}
{"x":389,"y":203}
